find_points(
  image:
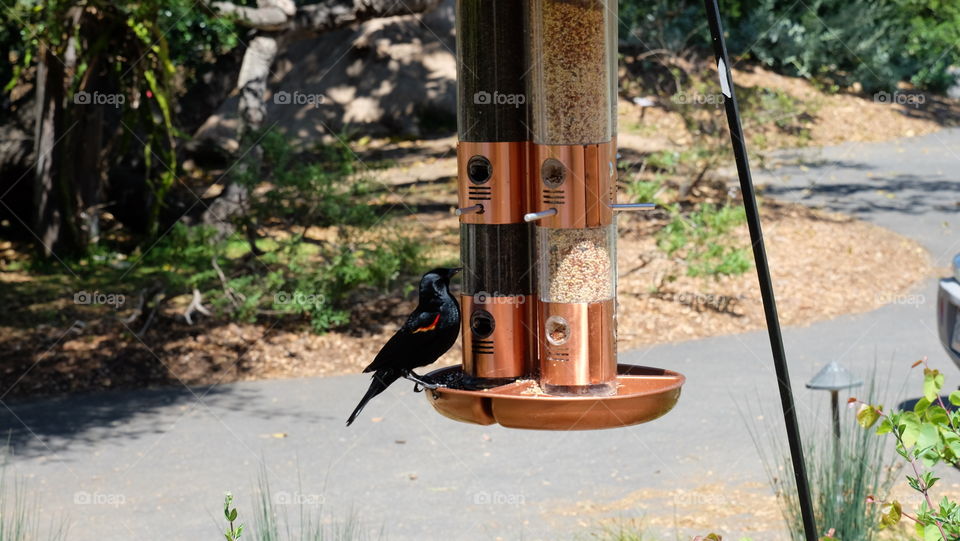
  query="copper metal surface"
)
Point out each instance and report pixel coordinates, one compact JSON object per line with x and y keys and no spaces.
{"x":503,"y":196}
{"x":588,"y":188}
{"x":587,"y":357}
{"x":643,"y":394}
{"x":504,"y":353}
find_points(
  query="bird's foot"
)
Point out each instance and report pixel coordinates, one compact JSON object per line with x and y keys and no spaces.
{"x":419,"y":387}
{"x":419,"y":383}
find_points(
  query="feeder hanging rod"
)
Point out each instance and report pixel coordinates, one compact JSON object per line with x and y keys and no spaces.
{"x":763,"y":269}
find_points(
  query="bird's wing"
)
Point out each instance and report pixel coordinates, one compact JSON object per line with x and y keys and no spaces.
{"x":418,"y":329}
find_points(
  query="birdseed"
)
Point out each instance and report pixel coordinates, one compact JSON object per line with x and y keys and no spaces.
{"x":533,"y":388}
{"x":579,"y":266}
{"x":571,"y":72}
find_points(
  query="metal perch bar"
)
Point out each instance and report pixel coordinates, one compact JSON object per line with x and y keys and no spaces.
{"x":632,"y":206}
{"x":534,"y":216}
{"x":469,"y":210}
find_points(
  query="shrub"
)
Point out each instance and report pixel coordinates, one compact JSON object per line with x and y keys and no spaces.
{"x":924,"y":436}
{"x":841,"y":489}
{"x":317,"y":280}
{"x":875,"y":43}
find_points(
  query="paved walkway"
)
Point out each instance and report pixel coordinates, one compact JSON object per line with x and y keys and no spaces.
{"x":154,"y":464}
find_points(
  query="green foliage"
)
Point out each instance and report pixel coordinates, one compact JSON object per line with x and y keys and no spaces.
{"x":849,"y":41}
{"x":138,"y":54}
{"x":666,"y":161}
{"x":230,"y":514}
{"x":704,"y":239}
{"x":925,"y":436}
{"x":194,"y":36}
{"x":934,"y":32}
{"x":294,"y":279}
{"x":20,"y":515}
{"x":645,"y":191}
{"x":319,"y":278}
{"x":272,"y":524}
{"x":319,"y":281}
{"x":845,"y":478}
{"x":875,"y":43}
{"x":670,"y":24}
{"x":321,"y":190}
{"x":97,"y":40}
{"x":774,"y":107}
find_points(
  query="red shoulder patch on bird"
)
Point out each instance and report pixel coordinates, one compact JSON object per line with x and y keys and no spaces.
{"x":429,"y":327}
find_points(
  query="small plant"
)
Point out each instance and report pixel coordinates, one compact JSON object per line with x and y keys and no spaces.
{"x":271,"y":522}
{"x":20,"y":516}
{"x":645,"y":191}
{"x":764,"y":107}
{"x":844,"y":474}
{"x":622,"y":530}
{"x":703,"y":239}
{"x":925,"y":436}
{"x":230,"y":513}
{"x":664,"y":160}
{"x":632,"y":531}
{"x":319,"y":189}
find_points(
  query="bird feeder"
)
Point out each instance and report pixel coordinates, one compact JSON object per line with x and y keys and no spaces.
{"x":560,"y":175}
{"x":536,"y":157}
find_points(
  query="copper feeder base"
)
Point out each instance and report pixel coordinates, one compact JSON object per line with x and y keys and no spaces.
{"x":643,"y":394}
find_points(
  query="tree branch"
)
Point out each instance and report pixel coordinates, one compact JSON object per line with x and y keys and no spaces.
{"x":261,"y":18}
{"x":278,"y":15}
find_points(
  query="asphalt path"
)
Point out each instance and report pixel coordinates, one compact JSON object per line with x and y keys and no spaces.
{"x":154,"y":464}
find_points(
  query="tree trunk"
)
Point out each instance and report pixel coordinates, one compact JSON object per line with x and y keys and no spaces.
{"x":86,"y":144}
{"x":52,"y":220}
{"x":252,"y":109}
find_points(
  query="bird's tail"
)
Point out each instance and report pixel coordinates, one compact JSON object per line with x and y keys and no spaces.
{"x":380,"y":381}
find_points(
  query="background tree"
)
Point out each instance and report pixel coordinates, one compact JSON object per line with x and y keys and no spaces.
{"x":138,"y":58}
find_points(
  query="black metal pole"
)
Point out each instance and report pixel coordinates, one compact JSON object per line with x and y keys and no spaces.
{"x":763,"y":270}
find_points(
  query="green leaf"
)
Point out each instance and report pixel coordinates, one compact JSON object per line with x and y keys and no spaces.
{"x":884,"y":427}
{"x":937,"y":415}
{"x":910,"y":424}
{"x":914,"y":483}
{"x":929,"y":480}
{"x":929,"y":436}
{"x":233,"y":515}
{"x":892,"y":516}
{"x":867,"y":415}
{"x":932,"y":383}
{"x":955,"y":398}
{"x":921,"y":405}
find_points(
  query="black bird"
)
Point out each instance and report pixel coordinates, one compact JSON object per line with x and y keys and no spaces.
{"x":427,"y":334}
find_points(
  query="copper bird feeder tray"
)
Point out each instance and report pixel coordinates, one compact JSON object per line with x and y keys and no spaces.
{"x":643,"y":394}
